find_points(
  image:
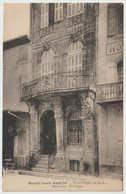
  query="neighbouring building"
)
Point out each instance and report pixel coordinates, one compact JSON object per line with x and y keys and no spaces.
{"x":75,"y":93}
{"x":110,"y":88}
{"x":16,"y":70}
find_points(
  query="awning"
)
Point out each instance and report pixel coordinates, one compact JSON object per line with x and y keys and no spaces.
{"x":13,"y":113}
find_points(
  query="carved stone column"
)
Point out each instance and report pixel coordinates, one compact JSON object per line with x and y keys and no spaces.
{"x":34,"y":131}
{"x":58,"y":114}
{"x":88,"y":115}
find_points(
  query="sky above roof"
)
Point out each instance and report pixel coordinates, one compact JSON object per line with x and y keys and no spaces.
{"x":16,"y":20}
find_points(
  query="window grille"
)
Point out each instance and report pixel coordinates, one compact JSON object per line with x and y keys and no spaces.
{"x":74,"y":125}
{"x":74,"y":165}
{"x":74,"y":9}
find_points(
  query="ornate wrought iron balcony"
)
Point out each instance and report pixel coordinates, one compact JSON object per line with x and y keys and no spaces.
{"x":109,"y":92}
{"x":76,"y":19}
{"x":47,"y":30}
{"x":58,"y":82}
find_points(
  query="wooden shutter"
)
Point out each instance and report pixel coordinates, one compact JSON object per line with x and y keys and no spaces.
{"x":112,"y":19}
{"x":120,"y":19}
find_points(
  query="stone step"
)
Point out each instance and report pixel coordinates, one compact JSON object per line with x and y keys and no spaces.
{"x":43,"y":162}
{"x":44,"y":156}
{"x":41,"y":166}
{"x":40,"y":170}
{"x":54,"y":171}
{"x":44,"y":159}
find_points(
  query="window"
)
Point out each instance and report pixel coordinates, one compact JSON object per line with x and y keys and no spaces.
{"x":115,"y":19}
{"x":120,"y":71}
{"x":74,"y":9}
{"x":74,"y":126}
{"x":58,"y":11}
{"x":44,"y":15}
{"x":23,"y":54}
{"x":47,"y":65}
{"x":74,"y":60}
{"x":120,"y":19}
{"x":74,"y":165}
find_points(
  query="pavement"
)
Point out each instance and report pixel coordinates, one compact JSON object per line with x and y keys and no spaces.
{"x":16,"y":180}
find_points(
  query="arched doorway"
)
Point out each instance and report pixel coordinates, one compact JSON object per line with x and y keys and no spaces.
{"x":48,"y":133}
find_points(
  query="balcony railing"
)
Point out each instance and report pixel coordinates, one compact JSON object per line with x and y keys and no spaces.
{"x":109,"y":92}
{"x":58,"y":82}
{"x":47,"y":30}
{"x":76,"y":19}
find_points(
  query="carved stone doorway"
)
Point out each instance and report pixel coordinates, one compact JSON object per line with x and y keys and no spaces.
{"x":48,"y":133}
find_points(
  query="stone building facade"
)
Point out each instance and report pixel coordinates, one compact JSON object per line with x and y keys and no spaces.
{"x":69,"y":66}
{"x":61,"y":97}
{"x":16,"y":70}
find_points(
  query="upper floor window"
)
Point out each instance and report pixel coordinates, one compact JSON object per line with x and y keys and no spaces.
{"x":120,"y":71}
{"x":74,"y":60}
{"x":115,"y":19}
{"x":74,"y":9}
{"x":47,"y":65}
{"x":74,"y":126}
{"x":58,"y":11}
{"x":44,"y":15}
{"x":23,"y":53}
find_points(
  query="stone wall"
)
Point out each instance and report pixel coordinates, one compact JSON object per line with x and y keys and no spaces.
{"x":15,"y":73}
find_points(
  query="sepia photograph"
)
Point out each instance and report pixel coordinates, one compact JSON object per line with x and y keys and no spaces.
{"x":62,"y":117}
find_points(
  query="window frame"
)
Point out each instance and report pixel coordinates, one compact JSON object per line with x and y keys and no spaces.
{"x":70,"y":9}
{"x":57,"y":9}
{"x":23,"y":53}
{"x":47,"y":63}
{"x":73,"y":164}
{"x":74,"y":56}
{"x":120,"y":71}
{"x":44,"y":16}
{"x":76,"y":131}
{"x":114,"y":8}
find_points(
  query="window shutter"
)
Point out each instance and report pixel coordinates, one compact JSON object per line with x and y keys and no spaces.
{"x":51,"y":13}
{"x":112,"y":19}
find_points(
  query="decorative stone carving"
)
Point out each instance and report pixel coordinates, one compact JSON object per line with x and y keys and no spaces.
{"x":87,"y":105}
{"x":58,"y":114}
{"x":34,"y":134}
{"x":46,"y":46}
{"x":57,"y":103}
{"x":74,"y":37}
{"x":88,"y":115}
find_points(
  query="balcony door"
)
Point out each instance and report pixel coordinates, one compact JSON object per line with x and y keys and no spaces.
{"x":74,"y":65}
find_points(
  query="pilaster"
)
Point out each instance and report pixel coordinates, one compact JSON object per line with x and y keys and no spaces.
{"x":34,"y":132}
{"x":88,"y":116}
{"x":58,"y":114}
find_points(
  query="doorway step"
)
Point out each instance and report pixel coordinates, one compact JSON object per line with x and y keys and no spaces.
{"x":45,"y":165}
